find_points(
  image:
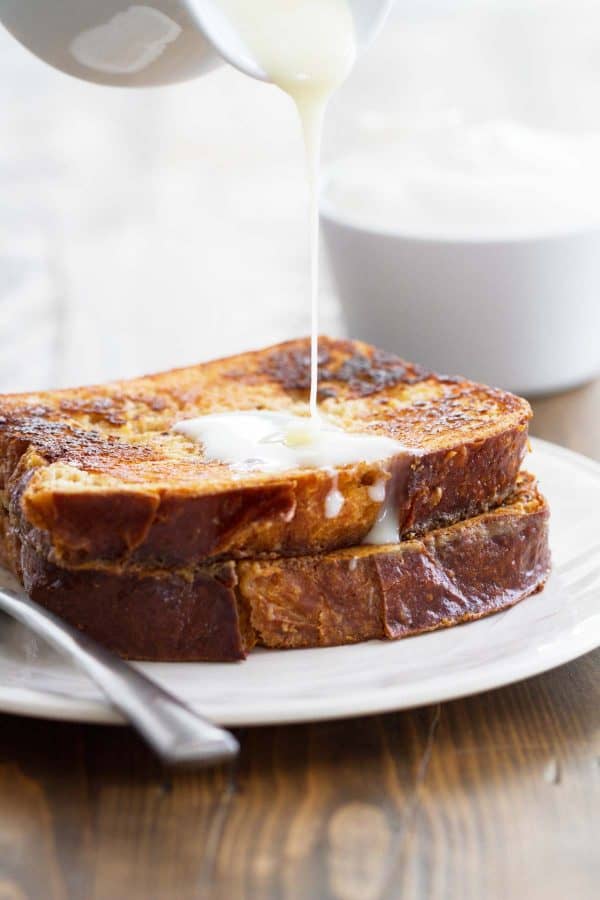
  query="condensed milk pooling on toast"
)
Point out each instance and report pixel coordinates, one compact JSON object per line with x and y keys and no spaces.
{"x":270,"y":441}
{"x":273,"y":442}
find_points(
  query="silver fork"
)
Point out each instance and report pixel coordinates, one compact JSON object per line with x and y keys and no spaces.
{"x":174,"y":731}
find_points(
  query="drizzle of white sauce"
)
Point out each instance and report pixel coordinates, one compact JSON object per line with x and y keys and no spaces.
{"x":377,"y":491}
{"x":353,"y":564}
{"x":334,"y":501}
{"x":271,"y":441}
{"x":386,"y":529}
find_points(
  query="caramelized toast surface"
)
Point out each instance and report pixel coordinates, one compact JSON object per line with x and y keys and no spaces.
{"x":95,"y":475}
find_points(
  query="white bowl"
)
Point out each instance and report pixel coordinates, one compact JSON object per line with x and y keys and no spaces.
{"x":521,"y":312}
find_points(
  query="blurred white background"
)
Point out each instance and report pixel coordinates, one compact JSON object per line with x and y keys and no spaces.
{"x":166,"y":226}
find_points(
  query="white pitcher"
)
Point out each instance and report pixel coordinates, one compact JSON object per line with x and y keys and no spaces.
{"x":112,"y":41}
{"x":144,"y":44}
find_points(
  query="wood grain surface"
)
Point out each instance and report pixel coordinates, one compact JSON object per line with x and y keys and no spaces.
{"x":492,"y":797}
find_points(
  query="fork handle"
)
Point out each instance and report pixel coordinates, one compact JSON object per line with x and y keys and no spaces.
{"x":173,"y":730}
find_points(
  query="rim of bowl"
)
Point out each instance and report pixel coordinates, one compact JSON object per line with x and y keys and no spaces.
{"x":327,"y":210}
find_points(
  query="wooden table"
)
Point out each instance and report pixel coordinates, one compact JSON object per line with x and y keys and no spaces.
{"x":492,"y":797}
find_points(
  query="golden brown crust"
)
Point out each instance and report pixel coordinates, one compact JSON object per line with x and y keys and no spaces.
{"x":95,"y":476}
{"x":219,"y":612}
{"x":168,"y":617}
{"x":451,"y":575}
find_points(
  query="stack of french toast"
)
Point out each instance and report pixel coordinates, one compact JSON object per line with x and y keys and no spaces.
{"x":121,"y":525}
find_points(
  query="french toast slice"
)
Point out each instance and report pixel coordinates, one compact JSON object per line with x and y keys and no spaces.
{"x":96,"y":477}
{"x":221,"y":611}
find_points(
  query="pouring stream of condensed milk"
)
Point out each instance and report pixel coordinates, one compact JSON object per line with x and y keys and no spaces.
{"x":307,"y":48}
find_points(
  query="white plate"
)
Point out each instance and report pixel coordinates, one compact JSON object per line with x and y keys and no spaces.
{"x":275,"y":686}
